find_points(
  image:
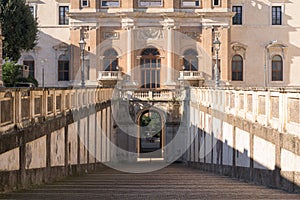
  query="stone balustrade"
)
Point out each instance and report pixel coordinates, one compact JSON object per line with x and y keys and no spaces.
{"x":273,"y":107}
{"x":188,"y":75}
{"x":108,"y":75}
{"x":20,"y":106}
{"x":156,"y":95}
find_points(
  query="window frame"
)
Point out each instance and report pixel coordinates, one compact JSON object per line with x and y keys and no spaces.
{"x":190,"y":55}
{"x":63,"y":70}
{"x":241,"y":15}
{"x":84,"y":6}
{"x":112,"y":60}
{"x":282,"y":13}
{"x":276,"y":71}
{"x":119,"y":2}
{"x":150,"y":6}
{"x":190,"y":6}
{"x":237,"y":71}
{"x":34,"y":9}
{"x":65,"y":20}
{"x":216,"y":5}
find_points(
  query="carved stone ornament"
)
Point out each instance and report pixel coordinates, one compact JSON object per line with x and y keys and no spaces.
{"x":111,"y":35}
{"x":151,"y":33}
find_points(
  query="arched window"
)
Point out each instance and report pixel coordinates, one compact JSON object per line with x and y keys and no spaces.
{"x":190,"y":60}
{"x":63,"y":68}
{"x":29,"y":61}
{"x":277,"y":68}
{"x":110,"y":60}
{"x":150,"y":68}
{"x":237,"y":68}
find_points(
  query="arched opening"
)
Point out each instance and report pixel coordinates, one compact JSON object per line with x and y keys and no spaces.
{"x":110,"y":61}
{"x":150,"y":68}
{"x":150,"y":134}
{"x":190,"y":60}
{"x":277,"y":68}
{"x":237,"y":68}
{"x":63,"y":68}
{"x":29,"y":61}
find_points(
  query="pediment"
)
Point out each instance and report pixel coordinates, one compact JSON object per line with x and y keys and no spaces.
{"x":62,"y":47}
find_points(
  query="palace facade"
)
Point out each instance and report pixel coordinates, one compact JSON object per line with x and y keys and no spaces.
{"x":157,"y":43}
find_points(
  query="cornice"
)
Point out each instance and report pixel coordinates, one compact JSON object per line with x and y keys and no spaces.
{"x":85,"y":15}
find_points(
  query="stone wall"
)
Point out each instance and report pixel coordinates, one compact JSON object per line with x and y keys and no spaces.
{"x":247,"y":134}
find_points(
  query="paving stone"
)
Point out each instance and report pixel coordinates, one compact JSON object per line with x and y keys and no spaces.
{"x":173,"y":182}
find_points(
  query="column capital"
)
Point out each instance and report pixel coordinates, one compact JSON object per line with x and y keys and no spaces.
{"x":169,"y":23}
{"x":127,"y":23}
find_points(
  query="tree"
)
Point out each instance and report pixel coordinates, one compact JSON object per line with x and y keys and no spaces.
{"x":19,"y":28}
{"x":12,"y":73}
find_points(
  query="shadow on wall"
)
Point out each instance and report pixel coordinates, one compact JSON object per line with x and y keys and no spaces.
{"x":227,"y":147}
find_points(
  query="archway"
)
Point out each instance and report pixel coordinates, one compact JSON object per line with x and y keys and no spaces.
{"x":151,"y":134}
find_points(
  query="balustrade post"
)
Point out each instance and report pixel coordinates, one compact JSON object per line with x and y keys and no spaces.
{"x":17,"y":107}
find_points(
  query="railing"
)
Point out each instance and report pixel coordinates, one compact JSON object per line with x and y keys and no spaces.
{"x":275,"y":108}
{"x":108,"y":75}
{"x":19,"y":106}
{"x":190,"y":75}
{"x":155,"y":95}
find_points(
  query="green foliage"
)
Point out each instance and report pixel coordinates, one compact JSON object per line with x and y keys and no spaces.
{"x":19,"y":28}
{"x":12,"y":74}
{"x":152,"y":121}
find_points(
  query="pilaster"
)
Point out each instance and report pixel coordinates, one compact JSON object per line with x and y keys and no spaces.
{"x":128,"y":26}
{"x":169,"y":26}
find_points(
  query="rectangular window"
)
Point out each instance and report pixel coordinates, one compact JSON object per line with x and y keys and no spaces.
{"x":190,"y":3}
{"x":150,"y":3}
{"x":110,"y":3}
{"x":216,"y":2}
{"x":84,"y":3}
{"x":63,"y":70}
{"x":63,"y":19}
{"x":276,"y":15}
{"x":238,"y":17}
{"x":32,"y":8}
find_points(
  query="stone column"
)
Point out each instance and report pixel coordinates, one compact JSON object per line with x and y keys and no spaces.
{"x":128,"y":25}
{"x":169,"y":26}
{"x":1,"y":38}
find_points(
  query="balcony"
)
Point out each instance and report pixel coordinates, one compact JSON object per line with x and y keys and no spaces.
{"x":195,"y":78}
{"x":108,"y":78}
{"x":154,"y":95}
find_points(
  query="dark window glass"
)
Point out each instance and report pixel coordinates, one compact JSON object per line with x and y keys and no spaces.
{"x":276,"y":15}
{"x":84,"y":3}
{"x":110,"y":60}
{"x":216,"y":2}
{"x":237,"y":68}
{"x":63,"y":19}
{"x":190,"y":3}
{"x":237,"y":19}
{"x":146,"y":3}
{"x":190,"y":60}
{"x":63,"y":69}
{"x":110,"y":3}
{"x":277,"y":68}
{"x":150,"y":68}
